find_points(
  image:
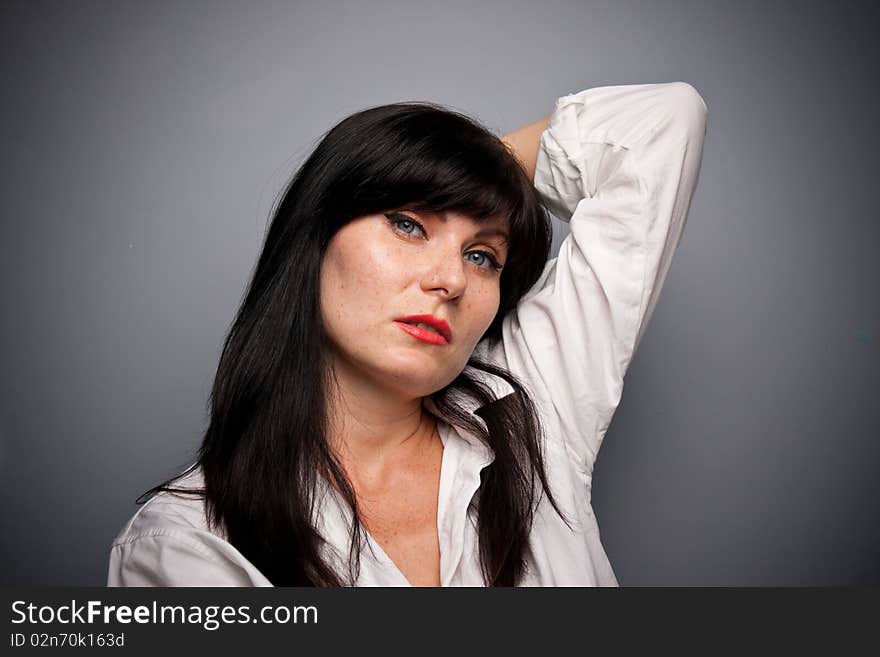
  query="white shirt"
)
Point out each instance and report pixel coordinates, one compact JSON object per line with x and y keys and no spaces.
{"x":620,"y":164}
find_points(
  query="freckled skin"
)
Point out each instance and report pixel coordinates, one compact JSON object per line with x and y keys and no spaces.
{"x":372,"y":274}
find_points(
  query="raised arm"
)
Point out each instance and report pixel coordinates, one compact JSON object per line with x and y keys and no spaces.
{"x":525,"y":142}
{"x":621,"y":165}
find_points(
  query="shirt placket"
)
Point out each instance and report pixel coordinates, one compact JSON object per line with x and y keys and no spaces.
{"x":459,"y":481}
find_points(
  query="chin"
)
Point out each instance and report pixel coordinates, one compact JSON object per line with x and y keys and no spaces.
{"x":417,"y":377}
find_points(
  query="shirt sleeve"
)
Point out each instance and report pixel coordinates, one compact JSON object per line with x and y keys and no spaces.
{"x":175,"y":559}
{"x":620,"y":164}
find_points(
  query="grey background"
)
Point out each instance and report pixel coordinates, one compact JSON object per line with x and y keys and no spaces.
{"x":144,"y":143}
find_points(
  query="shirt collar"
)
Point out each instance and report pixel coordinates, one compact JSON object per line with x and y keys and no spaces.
{"x":500,"y":388}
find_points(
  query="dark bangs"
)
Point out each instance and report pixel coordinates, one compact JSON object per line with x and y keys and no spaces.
{"x":425,"y":157}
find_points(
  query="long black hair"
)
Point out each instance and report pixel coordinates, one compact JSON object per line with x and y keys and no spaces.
{"x":266,"y":443}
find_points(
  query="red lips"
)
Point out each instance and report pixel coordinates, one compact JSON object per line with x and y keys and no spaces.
{"x":442,"y":336}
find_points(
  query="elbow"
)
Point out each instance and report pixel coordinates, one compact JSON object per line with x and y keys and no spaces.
{"x":686,"y":109}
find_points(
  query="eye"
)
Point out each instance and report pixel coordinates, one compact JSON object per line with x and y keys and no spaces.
{"x":404,"y":224}
{"x":407,"y":226}
{"x":486,"y":260}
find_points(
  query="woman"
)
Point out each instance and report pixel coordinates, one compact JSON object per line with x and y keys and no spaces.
{"x":409,"y":374}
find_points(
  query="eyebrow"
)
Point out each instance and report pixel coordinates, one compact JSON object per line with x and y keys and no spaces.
{"x":489,"y":232}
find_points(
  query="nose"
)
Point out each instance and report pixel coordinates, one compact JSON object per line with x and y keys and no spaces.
{"x":445,"y":275}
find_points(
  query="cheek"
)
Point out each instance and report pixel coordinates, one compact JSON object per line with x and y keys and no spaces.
{"x":356,"y":279}
{"x":483,"y":307}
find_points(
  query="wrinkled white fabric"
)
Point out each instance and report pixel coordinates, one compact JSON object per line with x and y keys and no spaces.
{"x":621,"y":165}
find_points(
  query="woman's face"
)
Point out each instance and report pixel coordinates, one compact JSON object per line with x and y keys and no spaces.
{"x":379,"y":269}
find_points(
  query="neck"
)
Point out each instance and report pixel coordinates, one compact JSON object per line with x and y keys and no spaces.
{"x":375,"y":432}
